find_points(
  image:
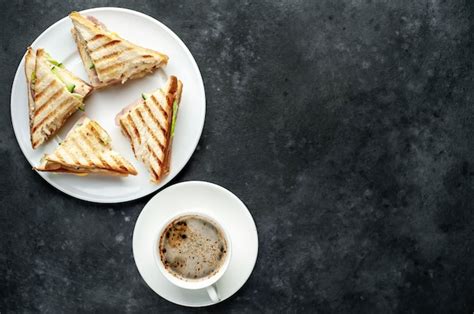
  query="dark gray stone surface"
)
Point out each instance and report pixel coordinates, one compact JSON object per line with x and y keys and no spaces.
{"x":345,"y":126}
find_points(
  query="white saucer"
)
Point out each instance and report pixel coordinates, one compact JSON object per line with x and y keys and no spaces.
{"x":210,"y":199}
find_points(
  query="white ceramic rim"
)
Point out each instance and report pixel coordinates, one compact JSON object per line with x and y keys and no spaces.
{"x":167,"y":179}
{"x":198,"y":284}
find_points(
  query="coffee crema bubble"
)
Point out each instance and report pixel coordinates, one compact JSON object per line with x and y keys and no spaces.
{"x":192,"y":248}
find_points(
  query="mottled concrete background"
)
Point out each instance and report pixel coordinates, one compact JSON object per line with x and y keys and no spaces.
{"x":345,"y":126}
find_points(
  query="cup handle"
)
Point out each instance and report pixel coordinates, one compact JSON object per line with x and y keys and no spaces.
{"x":212,"y":292}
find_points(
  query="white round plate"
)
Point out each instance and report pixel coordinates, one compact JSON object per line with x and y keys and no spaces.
{"x":211,"y":200}
{"x":103,"y":105}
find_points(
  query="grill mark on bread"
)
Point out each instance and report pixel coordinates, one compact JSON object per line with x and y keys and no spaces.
{"x":134,"y":128}
{"x":91,"y":147}
{"x":71,"y":155}
{"x":50,"y":114}
{"x":51,"y":99}
{"x":110,"y":56}
{"x":60,"y":157}
{"x":152,"y":134}
{"x":149,"y":149}
{"x":163,"y":130}
{"x":41,"y":93}
{"x":139,"y":114}
{"x":97,"y":134}
{"x":109,"y":44}
{"x":110,"y":68}
{"x":105,"y":164}
{"x":153,"y":172}
{"x":160,"y":164}
{"x":93,"y":130}
{"x":165,"y":114}
{"x":152,"y":152}
{"x":112,"y":43}
{"x":157,"y":123}
{"x":124,"y":128}
{"x":96,"y":37}
{"x":82,"y":152}
{"x":100,"y":141}
{"x":120,"y":164}
{"x":124,"y":62}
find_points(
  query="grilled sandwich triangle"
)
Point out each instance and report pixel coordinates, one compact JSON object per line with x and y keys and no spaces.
{"x":108,"y":58}
{"x":54,"y":94}
{"x":149,"y":125}
{"x":86,"y":149}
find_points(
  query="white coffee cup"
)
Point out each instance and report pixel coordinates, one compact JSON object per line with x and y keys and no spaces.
{"x":208,"y":283}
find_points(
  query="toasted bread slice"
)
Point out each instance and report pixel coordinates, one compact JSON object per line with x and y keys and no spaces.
{"x":86,"y":149}
{"x":30,"y":64}
{"x":108,"y":58}
{"x":54,"y":94}
{"x":149,"y":125}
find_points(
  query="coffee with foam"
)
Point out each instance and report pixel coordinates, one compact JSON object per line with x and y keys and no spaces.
{"x":192,"y":247}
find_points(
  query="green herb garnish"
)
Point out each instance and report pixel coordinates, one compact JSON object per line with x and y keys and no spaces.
{"x":173,"y":119}
{"x":70,"y":87}
{"x":52,"y":61}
